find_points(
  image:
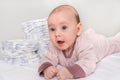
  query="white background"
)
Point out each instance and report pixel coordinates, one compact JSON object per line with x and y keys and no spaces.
{"x":101,"y":15}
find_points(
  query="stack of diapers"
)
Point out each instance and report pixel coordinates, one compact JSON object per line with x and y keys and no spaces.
{"x":37,"y":30}
{"x":27,"y":50}
{"x":19,"y":52}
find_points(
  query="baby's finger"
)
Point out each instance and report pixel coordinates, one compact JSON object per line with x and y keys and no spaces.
{"x":46,"y":77}
{"x":54,"y":71}
{"x":62,"y":79}
{"x":49,"y":75}
{"x":59,"y":77}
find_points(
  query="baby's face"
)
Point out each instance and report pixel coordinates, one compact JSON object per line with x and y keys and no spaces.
{"x":63,"y":29}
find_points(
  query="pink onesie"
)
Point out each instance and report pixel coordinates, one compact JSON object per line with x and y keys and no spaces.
{"x":88,"y":50}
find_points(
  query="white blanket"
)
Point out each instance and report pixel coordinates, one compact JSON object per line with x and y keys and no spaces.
{"x":107,"y":69}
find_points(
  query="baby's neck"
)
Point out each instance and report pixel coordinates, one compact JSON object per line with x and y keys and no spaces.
{"x":68,"y":52}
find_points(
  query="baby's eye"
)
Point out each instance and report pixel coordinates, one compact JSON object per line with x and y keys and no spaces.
{"x":52,"y":29}
{"x":64,"y":27}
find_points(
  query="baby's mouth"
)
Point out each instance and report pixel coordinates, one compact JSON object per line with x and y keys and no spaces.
{"x":60,"y":42}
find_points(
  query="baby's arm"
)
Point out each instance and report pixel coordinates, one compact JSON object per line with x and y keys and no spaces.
{"x":48,"y":60}
{"x":86,"y":63}
{"x":83,"y":67}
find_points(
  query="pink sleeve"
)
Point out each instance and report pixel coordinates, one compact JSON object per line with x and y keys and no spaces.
{"x":76,"y":71}
{"x":86,"y":63}
{"x":43,"y":67}
{"x":49,"y":59}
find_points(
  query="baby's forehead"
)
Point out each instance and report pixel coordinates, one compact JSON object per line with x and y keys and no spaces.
{"x":64,"y":8}
{"x":67,"y":9}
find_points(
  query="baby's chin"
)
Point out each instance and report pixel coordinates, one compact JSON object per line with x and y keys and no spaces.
{"x":61,"y":48}
{"x":65,"y":47}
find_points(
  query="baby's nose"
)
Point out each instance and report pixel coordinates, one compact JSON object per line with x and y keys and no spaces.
{"x":58,"y":33}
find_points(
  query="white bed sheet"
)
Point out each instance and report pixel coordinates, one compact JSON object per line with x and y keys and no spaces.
{"x":107,"y":69}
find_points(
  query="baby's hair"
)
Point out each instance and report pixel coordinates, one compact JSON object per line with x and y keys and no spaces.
{"x":63,"y":7}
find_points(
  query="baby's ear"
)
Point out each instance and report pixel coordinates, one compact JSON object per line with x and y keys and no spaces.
{"x":79,"y":28}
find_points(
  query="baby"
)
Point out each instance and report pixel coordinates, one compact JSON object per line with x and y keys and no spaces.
{"x":77,"y":52}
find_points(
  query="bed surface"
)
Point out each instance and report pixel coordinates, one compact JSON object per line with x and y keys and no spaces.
{"x":107,"y":69}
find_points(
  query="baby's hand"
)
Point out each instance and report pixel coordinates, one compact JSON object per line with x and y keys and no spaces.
{"x":50,"y":72}
{"x":64,"y":74}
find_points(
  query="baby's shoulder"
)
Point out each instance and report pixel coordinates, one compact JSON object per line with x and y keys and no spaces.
{"x":83,"y":40}
{"x":84,"y":36}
